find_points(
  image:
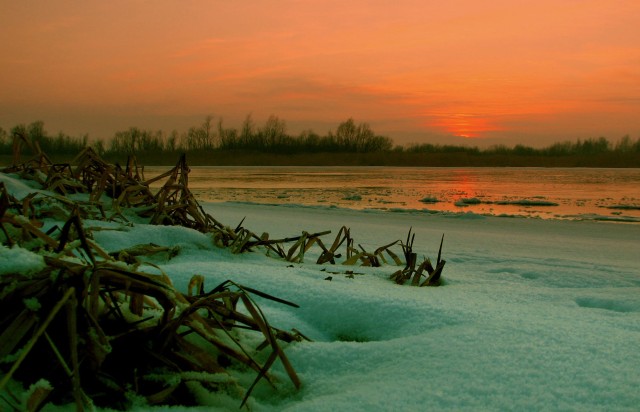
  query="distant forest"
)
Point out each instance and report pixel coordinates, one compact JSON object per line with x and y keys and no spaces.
{"x":351,"y":144}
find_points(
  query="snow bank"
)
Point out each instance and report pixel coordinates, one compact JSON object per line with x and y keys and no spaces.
{"x":535,"y":314}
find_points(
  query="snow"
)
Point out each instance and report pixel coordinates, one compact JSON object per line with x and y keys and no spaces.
{"x":534,"y":314}
{"x":19,"y":260}
{"x":18,"y":188}
{"x":123,"y":236}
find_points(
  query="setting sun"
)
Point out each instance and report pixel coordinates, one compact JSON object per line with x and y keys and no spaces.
{"x":464,"y":125}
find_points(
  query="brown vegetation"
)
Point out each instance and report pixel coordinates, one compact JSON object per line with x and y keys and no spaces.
{"x":101,"y":329}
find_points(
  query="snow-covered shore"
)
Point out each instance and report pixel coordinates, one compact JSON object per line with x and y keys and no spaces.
{"x":534,"y":314}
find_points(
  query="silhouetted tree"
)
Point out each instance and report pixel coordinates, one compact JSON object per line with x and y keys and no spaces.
{"x":171,"y":144}
{"x":273,"y":133}
{"x":99,"y":147}
{"x":4,"y":141}
{"x":247,"y":133}
{"x":228,"y":137}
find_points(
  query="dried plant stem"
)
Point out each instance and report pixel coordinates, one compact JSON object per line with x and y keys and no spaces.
{"x":27,"y":348}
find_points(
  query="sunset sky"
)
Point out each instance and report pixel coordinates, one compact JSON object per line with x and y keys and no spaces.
{"x":494,"y":71}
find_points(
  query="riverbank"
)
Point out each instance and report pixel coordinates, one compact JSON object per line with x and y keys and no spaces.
{"x":394,"y":158}
{"x":530,"y":314}
{"x":533,"y":314}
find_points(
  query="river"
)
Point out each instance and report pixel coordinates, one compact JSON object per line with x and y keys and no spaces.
{"x":548,"y":193}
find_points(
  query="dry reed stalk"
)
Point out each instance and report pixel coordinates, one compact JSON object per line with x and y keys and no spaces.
{"x":113,"y":310}
{"x":39,"y":160}
{"x":104,"y":288}
{"x":32,"y":341}
{"x":410,"y":272}
{"x":175,"y":204}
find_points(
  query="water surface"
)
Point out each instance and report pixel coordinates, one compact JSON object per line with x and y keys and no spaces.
{"x":551,"y":193}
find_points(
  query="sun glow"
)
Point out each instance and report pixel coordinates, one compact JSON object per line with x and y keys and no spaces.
{"x":465,"y":124}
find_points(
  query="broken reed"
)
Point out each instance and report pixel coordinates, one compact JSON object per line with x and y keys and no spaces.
{"x":110,"y":327}
{"x":174,"y":204}
{"x":121,"y":326}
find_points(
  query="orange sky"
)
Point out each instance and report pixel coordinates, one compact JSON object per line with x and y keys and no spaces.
{"x":500,"y":71}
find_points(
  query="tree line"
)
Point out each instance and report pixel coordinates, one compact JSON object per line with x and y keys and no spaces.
{"x":591,"y":146}
{"x":272,"y":138}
